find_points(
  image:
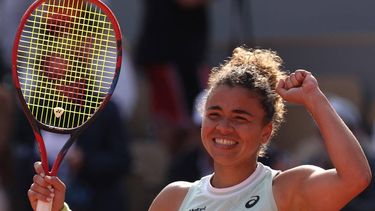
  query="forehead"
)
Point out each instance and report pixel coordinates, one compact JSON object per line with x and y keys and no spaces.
{"x":232,"y":98}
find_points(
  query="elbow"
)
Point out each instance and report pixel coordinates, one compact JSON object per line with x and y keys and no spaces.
{"x":359,"y":181}
{"x":368,"y":178}
{"x":364,"y":179}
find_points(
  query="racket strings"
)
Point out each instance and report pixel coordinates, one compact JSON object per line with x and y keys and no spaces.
{"x":66,"y":61}
{"x":65,"y":91}
{"x":35,"y":48}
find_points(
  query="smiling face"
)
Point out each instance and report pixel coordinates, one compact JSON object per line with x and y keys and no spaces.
{"x":233,"y":126}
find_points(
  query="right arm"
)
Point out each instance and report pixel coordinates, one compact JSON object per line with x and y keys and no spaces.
{"x":171,"y":197}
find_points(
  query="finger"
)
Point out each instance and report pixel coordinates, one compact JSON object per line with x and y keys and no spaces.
{"x":47,"y":192}
{"x":293,"y":80}
{"x":39,"y":179}
{"x":56,"y":183}
{"x":37,"y":192}
{"x":280,"y":89}
{"x":302,"y":71}
{"x":301,"y":75}
{"x":288,"y":83}
{"x":41,"y":184}
{"x":59,"y":187}
{"x":39,"y":168}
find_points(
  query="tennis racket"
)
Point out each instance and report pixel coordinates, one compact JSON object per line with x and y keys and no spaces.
{"x":66,"y":61}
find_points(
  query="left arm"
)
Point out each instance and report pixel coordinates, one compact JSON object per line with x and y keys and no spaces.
{"x":318,"y":188}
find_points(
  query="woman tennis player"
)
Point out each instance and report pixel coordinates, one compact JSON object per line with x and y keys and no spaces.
{"x":242,"y":110}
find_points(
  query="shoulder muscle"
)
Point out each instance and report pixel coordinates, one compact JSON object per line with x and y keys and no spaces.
{"x":171,"y":197}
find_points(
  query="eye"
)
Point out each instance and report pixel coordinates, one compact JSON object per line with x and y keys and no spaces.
{"x":241,"y":119}
{"x":213,"y":116}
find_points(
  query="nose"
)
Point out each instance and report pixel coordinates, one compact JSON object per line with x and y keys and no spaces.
{"x":224,"y":126}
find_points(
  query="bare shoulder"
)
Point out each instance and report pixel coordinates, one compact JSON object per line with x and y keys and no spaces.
{"x":171,"y":197}
{"x":298,"y":173}
{"x":287,"y":185}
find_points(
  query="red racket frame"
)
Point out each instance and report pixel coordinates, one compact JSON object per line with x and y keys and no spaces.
{"x":36,"y":125}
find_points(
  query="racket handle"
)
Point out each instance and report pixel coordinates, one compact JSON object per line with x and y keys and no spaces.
{"x":43,"y":206}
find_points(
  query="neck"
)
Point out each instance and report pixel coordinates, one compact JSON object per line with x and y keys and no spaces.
{"x":225,"y":176}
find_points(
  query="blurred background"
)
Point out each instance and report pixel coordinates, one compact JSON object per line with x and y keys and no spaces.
{"x":149,"y":134}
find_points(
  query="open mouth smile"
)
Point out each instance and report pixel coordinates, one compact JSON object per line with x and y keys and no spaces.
{"x":224,"y":142}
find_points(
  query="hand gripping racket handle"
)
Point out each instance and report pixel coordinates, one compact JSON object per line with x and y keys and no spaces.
{"x":43,"y":206}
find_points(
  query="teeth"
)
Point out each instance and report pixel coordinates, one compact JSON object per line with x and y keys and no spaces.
{"x":224,"y":141}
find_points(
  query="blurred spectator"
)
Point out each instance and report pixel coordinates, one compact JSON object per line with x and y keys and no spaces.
{"x":101,"y":152}
{"x":10,"y":16}
{"x":276,"y":158}
{"x":2,"y":68}
{"x":16,"y":139}
{"x":190,"y":161}
{"x":16,"y":154}
{"x":126,"y":93}
{"x":171,"y":52}
{"x":6,"y":177}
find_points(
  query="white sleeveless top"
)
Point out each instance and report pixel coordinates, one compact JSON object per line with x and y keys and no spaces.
{"x":253,"y":194}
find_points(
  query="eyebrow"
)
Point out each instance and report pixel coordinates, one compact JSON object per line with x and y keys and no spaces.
{"x":237,"y":111}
